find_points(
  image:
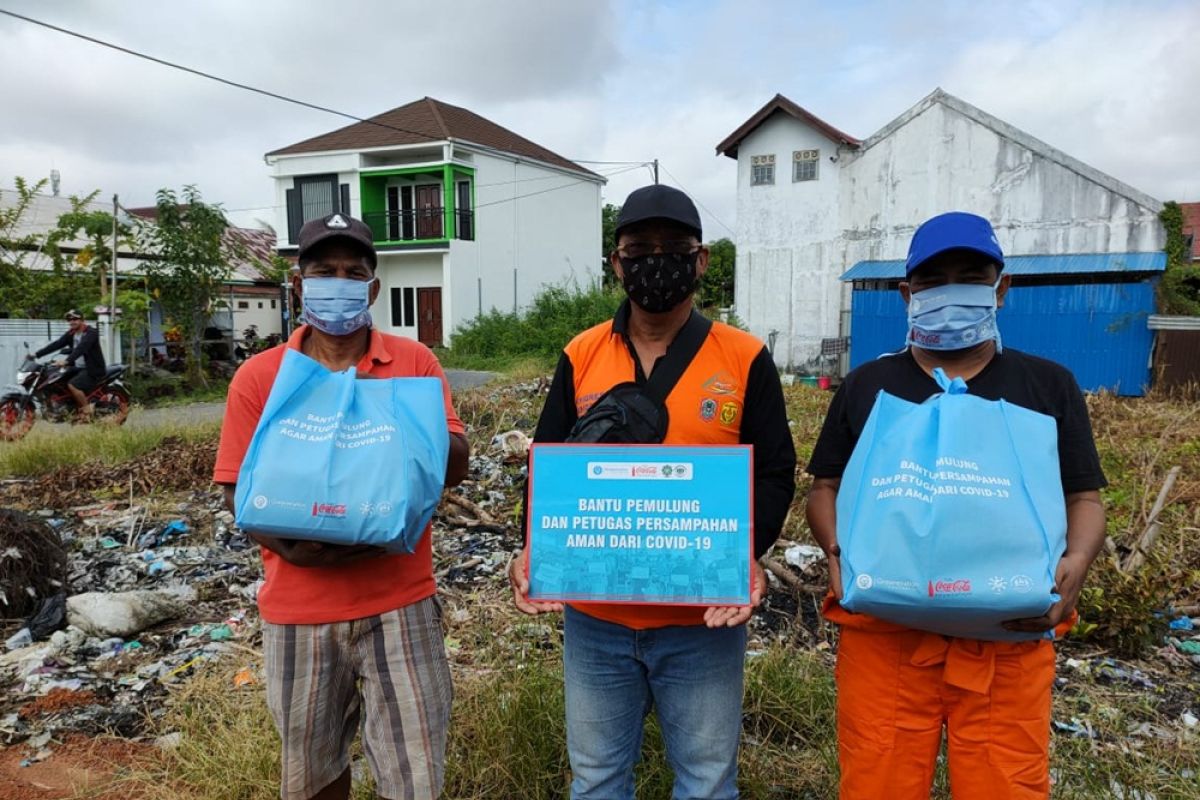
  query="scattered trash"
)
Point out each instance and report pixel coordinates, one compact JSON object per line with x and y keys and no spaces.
{"x":169,"y":741}
{"x":33,"y":563}
{"x":1075,"y":727}
{"x":49,"y":617}
{"x":1189,"y":719}
{"x":803,"y":555}
{"x":513,"y":444}
{"x":122,"y":613}
{"x":22,"y":638}
{"x":244,"y":677}
{"x":1182,"y":624}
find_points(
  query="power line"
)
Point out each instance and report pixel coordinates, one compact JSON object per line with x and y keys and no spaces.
{"x":294,"y":101}
{"x":209,"y":76}
{"x":551,"y":189}
{"x":702,"y":206}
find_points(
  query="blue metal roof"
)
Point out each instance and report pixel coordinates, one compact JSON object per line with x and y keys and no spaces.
{"x":1069,"y":264}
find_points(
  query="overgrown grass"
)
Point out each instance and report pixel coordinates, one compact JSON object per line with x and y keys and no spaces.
{"x":507,"y":739}
{"x":46,"y":449}
{"x":498,"y":339}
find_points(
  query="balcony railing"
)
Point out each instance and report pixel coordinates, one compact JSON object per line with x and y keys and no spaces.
{"x":415,"y":225}
{"x":407,"y":226}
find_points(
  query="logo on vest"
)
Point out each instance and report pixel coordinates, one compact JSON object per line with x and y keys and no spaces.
{"x":708,"y":409}
{"x":729,"y":412}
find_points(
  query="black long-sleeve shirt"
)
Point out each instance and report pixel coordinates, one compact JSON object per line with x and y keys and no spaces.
{"x":88,"y":347}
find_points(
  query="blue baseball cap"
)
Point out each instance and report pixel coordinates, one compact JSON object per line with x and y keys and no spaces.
{"x":955,"y":230}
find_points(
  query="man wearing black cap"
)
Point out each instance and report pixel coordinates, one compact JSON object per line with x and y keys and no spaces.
{"x":349,"y":632}
{"x":85,"y":357}
{"x":621,"y":660}
{"x":899,"y":688}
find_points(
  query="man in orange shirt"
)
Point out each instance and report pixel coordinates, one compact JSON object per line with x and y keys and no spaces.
{"x":619,"y":661}
{"x":349,"y":632}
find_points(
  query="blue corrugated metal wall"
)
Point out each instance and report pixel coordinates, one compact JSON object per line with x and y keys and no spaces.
{"x":1098,"y":331}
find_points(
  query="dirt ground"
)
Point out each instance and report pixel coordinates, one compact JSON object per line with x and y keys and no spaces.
{"x":79,"y":767}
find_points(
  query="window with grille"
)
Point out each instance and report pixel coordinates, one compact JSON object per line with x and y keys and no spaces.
{"x":762,"y":170}
{"x":804,"y":165}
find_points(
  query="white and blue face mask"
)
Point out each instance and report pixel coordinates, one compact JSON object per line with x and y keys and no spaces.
{"x":953,"y":317}
{"x":337,"y":306}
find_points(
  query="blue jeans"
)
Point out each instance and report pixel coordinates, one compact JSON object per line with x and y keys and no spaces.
{"x":614,"y":675}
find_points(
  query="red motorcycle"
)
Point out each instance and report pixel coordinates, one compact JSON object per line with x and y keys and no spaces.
{"x":43,"y":387}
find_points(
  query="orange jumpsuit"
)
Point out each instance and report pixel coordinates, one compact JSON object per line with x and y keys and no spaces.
{"x":898,"y":688}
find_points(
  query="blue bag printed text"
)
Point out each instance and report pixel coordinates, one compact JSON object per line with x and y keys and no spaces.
{"x":345,"y":460}
{"x":951,"y":516}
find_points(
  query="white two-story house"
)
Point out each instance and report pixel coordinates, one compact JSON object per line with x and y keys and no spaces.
{"x":814,"y":202}
{"x":467,"y":215}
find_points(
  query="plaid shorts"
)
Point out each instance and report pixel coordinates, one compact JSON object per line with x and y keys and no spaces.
{"x":390,"y":672}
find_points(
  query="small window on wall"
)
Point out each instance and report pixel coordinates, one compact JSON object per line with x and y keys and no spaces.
{"x":272,"y":304}
{"x":410,"y":307}
{"x":260,"y":304}
{"x":804,"y":165}
{"x":243,"y":305}
{"x":762,"y":170}
{"x":395,"y":308}
{"x":403,"y":307}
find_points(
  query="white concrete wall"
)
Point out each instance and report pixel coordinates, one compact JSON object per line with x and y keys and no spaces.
{"x":551,"y":237}
{"x":285,"y":169}
{"x":397,"y":270}
{"x":268,"y":319}
{"x":786,"y":233}
{"x":794,"y":244}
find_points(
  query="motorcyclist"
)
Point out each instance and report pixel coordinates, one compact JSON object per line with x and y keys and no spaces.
{"x":85,"y":357}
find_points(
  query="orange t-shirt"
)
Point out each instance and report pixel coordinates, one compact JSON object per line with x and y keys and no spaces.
{"x":294,"y":595}
{"x":705,"y":407}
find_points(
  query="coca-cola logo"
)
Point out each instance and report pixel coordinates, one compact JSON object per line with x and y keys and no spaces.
{"x":329,"y":509}
{"x":644,"y":469}
{"x":960,"y":586}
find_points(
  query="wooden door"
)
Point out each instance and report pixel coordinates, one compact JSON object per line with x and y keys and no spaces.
{"x":429,"y":211}
{"x":429,"y":317}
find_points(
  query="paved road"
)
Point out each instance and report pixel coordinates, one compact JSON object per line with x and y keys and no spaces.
{"x":194,"y":413}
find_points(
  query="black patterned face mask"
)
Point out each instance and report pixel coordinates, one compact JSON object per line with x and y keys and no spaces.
{"x":660,"y":282}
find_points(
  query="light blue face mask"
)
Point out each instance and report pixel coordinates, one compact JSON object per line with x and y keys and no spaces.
{"x":953,"y":317}
{"x":337,"y":306}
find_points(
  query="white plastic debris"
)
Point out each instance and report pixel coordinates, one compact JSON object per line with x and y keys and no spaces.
{"x":512,"y":443}
{"x":122,"y":613}
{"x":802,"y":555}
{"x":1189,"y":719}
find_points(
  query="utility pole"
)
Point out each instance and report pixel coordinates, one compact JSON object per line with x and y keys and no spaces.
{"x":112,"y":308}
{"x":656,"y":170}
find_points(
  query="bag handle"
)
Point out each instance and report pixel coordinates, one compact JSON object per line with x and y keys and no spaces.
{"x":955,"y":386}
{"x":680,"y":353}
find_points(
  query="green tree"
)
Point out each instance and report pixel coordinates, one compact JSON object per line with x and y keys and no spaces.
{"x":1179,"y":292}
{"x":716,"y":287}
{"x":193,"y":262}
{"x":608,"y":242}
{"x":37,"y":279}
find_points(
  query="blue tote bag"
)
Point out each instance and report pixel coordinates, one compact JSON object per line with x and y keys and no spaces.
{"x":344,"y":460}
{"x":951,"y":516}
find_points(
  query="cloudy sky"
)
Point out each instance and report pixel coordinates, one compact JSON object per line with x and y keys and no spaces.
{"x":1112,"y":83}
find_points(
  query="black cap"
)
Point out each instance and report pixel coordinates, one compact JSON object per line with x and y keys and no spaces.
{"x":72,"y":314}
{"x":659,"y":202}
{"x":340,"y":226}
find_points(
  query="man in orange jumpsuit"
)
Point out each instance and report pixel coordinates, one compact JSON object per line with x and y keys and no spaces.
{"x":898,"y":688}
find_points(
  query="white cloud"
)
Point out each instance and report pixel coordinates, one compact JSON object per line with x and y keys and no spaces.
{"x":1111,"y":83}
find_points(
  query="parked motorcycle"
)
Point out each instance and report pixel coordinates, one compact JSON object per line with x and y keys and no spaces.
{"x":43,"y":387}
